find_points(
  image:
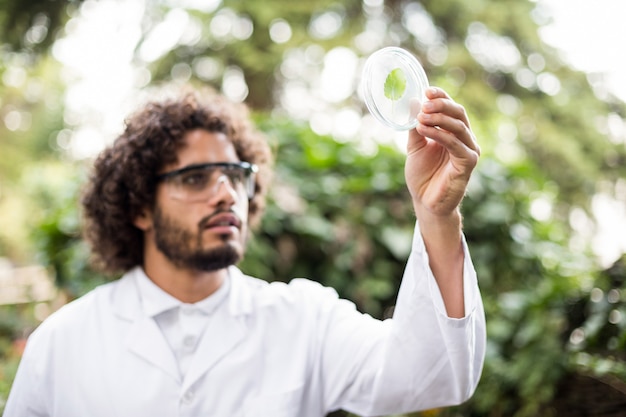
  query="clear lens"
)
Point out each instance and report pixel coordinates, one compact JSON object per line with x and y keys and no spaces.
{"x":393,"y":86}
{"x":200,"y":182}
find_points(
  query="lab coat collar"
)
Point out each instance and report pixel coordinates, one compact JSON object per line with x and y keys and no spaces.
{"x":240,"y":302}
{"x":224,"y":332}
{"x":145,"y":339}
{"x":154,"y":300}
{"x":126,"y":301}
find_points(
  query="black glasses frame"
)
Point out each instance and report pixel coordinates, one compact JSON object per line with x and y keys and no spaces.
{"x":250,"y":168}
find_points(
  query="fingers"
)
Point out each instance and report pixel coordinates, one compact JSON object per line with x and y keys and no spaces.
{"x":445,"y":121}
{"x":440,"y":101}
{"x":416,"y":141}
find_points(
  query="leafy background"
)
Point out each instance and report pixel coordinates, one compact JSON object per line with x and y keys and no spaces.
{"x":338,"y":211}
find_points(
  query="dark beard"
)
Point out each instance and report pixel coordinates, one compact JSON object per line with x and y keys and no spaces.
{"x":185,"y":251}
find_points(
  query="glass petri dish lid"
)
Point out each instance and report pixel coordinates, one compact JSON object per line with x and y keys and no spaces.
{"x":393,"y":85}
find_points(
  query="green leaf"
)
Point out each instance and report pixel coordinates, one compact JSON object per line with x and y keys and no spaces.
{"x":395,"y":84}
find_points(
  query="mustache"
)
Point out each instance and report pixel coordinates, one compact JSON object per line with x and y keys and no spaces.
{"x":205,"y":220}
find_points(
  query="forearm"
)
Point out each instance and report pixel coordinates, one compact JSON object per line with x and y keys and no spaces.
{"x":429,"y":359}
{"x":443,"y":240}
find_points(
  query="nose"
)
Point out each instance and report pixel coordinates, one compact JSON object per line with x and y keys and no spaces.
{"x":224,"y":191}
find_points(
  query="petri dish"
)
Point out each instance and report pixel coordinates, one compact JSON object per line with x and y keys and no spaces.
{"x":393,"y":85}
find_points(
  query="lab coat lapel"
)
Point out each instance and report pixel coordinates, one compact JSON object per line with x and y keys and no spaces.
{"x":226,"y":329}
{"x":145,"y":338}
{"x":147,"y":341}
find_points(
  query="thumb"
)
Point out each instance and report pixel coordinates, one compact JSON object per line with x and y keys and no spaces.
{"x":416,"y":141}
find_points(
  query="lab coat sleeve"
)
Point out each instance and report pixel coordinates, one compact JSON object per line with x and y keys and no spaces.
{"x":420,"y":359}
{"x":27,"y":396}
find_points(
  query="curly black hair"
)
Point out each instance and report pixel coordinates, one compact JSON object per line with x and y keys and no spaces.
{"x":123,"y":182}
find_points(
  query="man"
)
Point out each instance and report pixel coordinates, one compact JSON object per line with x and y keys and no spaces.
{"x":185,"y":333}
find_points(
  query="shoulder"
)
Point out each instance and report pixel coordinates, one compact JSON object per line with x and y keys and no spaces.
{"x":75,"y":315}
{"x":299,"y":295}
{"x":297,"y":289}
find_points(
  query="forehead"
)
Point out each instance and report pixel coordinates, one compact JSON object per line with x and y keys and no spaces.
{"x":201,"y":146}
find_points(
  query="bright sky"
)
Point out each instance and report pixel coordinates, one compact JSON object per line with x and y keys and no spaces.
{"x":590,"y":34}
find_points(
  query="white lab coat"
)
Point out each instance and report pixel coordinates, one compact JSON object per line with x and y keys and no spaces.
{"x":273,"y":350}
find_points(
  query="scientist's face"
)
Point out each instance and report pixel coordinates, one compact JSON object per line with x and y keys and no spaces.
{"x":200,"y":216}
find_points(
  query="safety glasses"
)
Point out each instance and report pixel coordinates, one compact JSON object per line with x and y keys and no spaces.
{"x":199,"y":182}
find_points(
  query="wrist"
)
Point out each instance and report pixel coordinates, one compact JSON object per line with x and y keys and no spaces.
{"x":442,"y":234}
{"x":431,"y":220}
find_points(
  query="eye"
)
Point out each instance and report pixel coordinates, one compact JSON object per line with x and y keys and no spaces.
{"x":235,"y":174}
{"x":194,"y":179}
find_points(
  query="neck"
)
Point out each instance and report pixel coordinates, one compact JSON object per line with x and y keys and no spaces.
{"x":186,"y":285}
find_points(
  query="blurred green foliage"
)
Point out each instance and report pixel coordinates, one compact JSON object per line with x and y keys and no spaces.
{"x":343,"y":218}
{"x":335,"y":215}
{"x":339,"y":212}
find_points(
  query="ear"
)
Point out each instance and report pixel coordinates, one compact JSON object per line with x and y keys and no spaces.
{"x":143,"y":220}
